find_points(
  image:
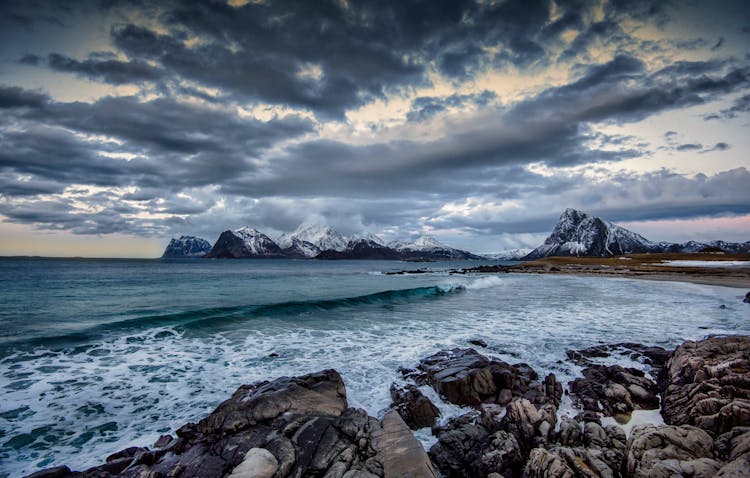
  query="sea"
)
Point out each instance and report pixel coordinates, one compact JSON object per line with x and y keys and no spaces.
{"x":97,"y":355}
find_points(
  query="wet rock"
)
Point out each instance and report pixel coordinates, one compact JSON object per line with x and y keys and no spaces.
{"x":734,"y":448}
{"x":458,"y":451}
{"x":614,"y":391}
{"x":654,"y":356}
{"x":570,"y":432}
{"x":747,"y":298}
{"x":398,"y":452}
{"x":733,"y":444}
{"x":708,"y":384}
{"x":522,"y":420}
{"x":292,"y":426}
{"x":164,"y":441}
{"x":667,"y":450}
{"x":588,"y":451}
{"x":465,"y":448}
{"x":318,"y":393}
{"x":466,"y":377}
{"x":564,"y":462}
{"x":129,"y":452}
{"x":56,"y":472}
{"x":478,"y":342}
{"x":417,"y":410}
{"x":546,"y":464}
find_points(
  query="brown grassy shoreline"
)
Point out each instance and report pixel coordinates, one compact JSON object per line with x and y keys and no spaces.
{"x":645,"y":266}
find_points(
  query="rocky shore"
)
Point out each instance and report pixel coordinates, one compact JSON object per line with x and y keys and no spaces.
{"x":303,"y":426}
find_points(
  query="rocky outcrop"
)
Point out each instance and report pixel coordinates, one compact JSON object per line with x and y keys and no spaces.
{"x":708,"y":384}
{"x":590,"y":451}
{"x":666,"y":451}
{"x":614,"y":391}
{"x":656,"y":357}
{"x":186,"y":246}
{"x":466,"y":377}
{"x":289,"y":427}
{"x":416,"y":410}
{"x":747,"y":298}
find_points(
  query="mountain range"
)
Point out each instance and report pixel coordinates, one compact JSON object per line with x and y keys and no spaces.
{"x":580,"y":234}
{"x":575,"y":234}
{"x":308,"y":241}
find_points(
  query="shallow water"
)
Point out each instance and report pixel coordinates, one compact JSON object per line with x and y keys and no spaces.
{"x":96,"y":356}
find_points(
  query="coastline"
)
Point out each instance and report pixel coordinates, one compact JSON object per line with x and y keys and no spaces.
{"x":511,"y":423}
{"x":637,"y":266}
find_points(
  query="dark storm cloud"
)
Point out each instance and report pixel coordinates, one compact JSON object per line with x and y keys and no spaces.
{"x":108,"y":70}
{"x":551,"y":127}
{"x":17,"y":97}
{"x":177,"y":156}
{"x":174,"y":144}
{"x":352,"y":51}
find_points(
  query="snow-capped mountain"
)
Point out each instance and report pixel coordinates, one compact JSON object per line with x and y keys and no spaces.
{"x":508,"y":254}
{"x":368,"y":237}
{"x":580,"y":234}
{"x":301,"y":249}
{"x":244,"y":242}
{"x":323,"y":236}
{"x":362,"y":249}
{"x":187,"y":246}
{"x":427,"y":247}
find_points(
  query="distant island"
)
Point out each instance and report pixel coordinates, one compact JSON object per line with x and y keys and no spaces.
{"x":576,"y":234}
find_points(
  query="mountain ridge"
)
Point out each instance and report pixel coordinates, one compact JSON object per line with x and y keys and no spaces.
{"x":578,"y":233}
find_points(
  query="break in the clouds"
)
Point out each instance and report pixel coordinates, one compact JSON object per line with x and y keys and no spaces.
{"x":475,"y":121}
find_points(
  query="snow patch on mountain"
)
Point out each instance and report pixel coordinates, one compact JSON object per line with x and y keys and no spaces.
{"x":508,"y":254}
{"x":323,"y":236}
{"x":579,"y":234}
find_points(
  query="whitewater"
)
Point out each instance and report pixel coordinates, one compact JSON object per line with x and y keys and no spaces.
{"x":99,"y":355}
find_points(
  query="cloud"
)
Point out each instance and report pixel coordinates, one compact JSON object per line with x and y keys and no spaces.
{"x":108,"y":70}
{"x":740,"y":105}
{"x":425,"y":107}
{"x":17,"y":97}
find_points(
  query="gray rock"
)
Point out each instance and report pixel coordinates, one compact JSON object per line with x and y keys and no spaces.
{"x":288,"y":427}
{"x":667,"y":451}
{"x":399,"y":453}
{"x":708,"y":384}
{"x":466,"y":377}
{"x":317,"y":393}
{"x":614,"y":391}
{"x":417,"y":410}
{"x":258,"y":463}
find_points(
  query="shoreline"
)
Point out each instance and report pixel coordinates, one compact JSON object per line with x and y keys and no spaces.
{"x":636,"y":266}
{"x":626,"y":420}
{"x":731,"y":282}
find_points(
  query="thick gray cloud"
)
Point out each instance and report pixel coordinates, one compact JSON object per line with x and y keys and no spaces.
{"x":184,"y":154}
{"x":100,"y":67}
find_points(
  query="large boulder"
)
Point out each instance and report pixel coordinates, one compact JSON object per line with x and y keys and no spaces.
{"x":288,"y":427}
{"x":466,"y":377}
{"x":708,"y":384}
{"x":614,"y":391}
{"x":668,"y":451}
{"x":417,"y":410}
{"x":466,"y":449}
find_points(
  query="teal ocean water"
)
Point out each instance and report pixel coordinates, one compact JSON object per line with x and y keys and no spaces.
{"x":98,"y":355}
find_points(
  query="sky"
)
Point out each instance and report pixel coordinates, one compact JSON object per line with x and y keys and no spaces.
{"x":123,"y":124}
